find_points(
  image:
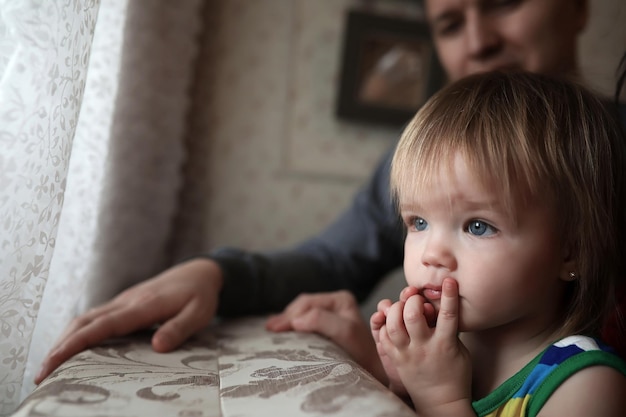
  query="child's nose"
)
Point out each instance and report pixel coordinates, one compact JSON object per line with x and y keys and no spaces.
{"x":438,"y":253}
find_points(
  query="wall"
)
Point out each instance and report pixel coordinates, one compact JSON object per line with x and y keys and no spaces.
{"x":603,"y":44}
{"x":271,"y":163}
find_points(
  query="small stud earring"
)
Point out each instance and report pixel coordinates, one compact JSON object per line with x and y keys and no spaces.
{"x":572,"y":276}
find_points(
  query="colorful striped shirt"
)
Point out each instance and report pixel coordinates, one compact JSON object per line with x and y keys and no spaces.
{"x":526,"y":392}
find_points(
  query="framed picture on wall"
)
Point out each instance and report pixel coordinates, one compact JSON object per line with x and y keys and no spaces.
{"x":388,"y":69}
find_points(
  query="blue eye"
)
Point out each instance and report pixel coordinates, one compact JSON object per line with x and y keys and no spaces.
{"x":419,"y":224}
{"x":480,"y":228}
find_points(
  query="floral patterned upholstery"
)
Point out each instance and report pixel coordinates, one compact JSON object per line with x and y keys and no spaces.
{"x":235,"y":368}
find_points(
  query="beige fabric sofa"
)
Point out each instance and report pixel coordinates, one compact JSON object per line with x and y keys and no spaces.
{"x":235,"y":368}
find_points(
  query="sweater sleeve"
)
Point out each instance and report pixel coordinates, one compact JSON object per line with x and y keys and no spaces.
{"x":355,"y":252}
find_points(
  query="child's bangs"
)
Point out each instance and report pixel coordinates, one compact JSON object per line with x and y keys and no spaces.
{"x":481,"y":142}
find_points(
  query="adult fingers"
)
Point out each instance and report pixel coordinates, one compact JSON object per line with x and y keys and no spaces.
{"x":142,"y":306}
{"x":448,"y":318}
{"x":281,"y":322}
{"x":353,"y":336}
{"x":332,"y":301}
{"x":324,"y":322}
{"x":92,"y":329}
{"x":86,"y":319}
{"x":194,"y":316}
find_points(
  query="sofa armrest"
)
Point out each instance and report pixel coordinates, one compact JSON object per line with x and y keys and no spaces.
{"x":235,"y":368}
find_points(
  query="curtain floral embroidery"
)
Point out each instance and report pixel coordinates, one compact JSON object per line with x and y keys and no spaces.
{"x":41,"y":90}
{"x":93,"y":104}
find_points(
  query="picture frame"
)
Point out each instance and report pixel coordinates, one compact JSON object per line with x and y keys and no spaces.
{"x":389,"y":69}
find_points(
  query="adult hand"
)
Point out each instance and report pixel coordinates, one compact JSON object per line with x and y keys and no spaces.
{"x":183,"y":298}
{"x":335,"y":315}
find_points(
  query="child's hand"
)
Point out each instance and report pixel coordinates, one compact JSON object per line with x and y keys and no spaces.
{"x":431,"y":362}
{"x":391,"y":377}
{"x":377,"y":321}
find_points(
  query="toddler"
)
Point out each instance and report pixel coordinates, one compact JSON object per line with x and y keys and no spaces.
{"x":511,"y":188}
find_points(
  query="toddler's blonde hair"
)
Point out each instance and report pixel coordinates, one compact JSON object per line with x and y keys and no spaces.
{"x":534,"y":137}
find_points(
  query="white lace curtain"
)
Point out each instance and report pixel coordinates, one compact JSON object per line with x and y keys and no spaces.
{"x":93,"y":103}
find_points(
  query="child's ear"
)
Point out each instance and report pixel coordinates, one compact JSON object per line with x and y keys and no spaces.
{"x":569,"y":267}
